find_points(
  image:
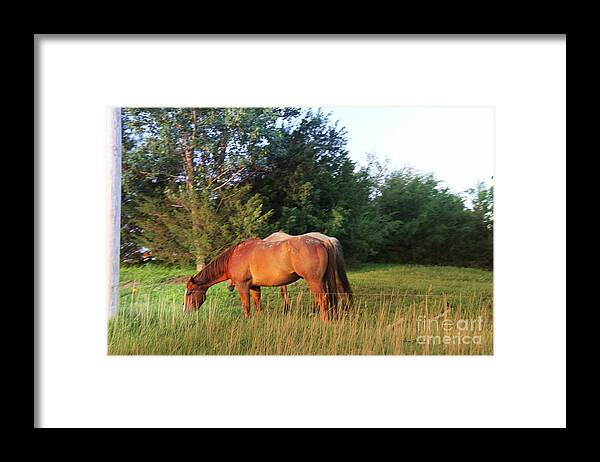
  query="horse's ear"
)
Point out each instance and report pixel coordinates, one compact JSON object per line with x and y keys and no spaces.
{"x":191,"y":279}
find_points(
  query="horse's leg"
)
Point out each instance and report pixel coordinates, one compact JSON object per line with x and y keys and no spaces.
{"x":318,"y":290}
{"x":245,"y":297}
{"x":256,"y":298}
{"x":286,"y":298}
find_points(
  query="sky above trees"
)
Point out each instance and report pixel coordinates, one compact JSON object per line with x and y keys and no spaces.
{"x":455,"y":143}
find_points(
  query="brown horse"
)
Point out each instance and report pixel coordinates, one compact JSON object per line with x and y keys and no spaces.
{"x":255,"y":263}
{"x":341,"y":275}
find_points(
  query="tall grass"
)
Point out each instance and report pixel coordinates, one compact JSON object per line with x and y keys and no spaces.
{"x":398,"y":310}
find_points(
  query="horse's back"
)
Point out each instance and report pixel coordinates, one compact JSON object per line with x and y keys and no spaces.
{"x":305,"y":245}
{"x":277,"y":236}
{"x":295,"y":253}
{"x":282,"y":236}
{"x":324,"y":237}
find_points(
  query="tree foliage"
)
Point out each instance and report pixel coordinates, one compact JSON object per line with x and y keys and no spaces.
{"x":426,"y":223}
{"x":196,"y":180}
{"x":184,"y":171}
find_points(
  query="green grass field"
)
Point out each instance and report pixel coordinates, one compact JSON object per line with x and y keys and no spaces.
{"x":398,"y":310}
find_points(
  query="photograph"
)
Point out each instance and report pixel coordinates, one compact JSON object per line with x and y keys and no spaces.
{"x":330,"y":230}
{"x":292,"y":231}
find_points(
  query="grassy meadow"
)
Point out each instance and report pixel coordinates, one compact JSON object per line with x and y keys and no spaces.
{"x":398,"y":310}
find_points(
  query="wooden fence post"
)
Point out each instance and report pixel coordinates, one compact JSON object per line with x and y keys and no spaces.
{"x":114,"y":205}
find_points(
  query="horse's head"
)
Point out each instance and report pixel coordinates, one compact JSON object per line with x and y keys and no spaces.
{"x":194,"y":295}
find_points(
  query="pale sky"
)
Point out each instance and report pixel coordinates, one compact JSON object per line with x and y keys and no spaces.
{"x":454,"y":143}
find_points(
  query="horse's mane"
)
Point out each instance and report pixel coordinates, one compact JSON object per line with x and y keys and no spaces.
{"x":216,"y":267}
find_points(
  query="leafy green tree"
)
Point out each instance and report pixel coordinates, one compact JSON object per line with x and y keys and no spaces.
{"x":185,"y":168}
{"x":482,"y":228}
{"x":311,"y":184}
{"x":424,"y":222}
{"x":167,"y":224}
{"x":483,"y":204}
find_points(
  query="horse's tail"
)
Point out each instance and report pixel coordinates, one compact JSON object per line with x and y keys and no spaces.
{"x":336,"y":278}
{"x":331,"y":274}
{"x":341,"y":276}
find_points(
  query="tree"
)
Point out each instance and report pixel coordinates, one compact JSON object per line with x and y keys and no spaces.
{"x":184,"y":171}
{"x":311,"y":184}
{"x":482,"y":232}
{"x":424,"y":222}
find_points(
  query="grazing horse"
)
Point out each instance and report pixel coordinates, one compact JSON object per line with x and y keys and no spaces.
{"x":255,"y":263}
{"x":342,"y":278}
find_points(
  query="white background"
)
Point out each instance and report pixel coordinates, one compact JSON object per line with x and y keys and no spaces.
{"x":523,"y":384}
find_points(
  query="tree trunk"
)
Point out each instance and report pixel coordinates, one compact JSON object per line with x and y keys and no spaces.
{"x":188,"y":165}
